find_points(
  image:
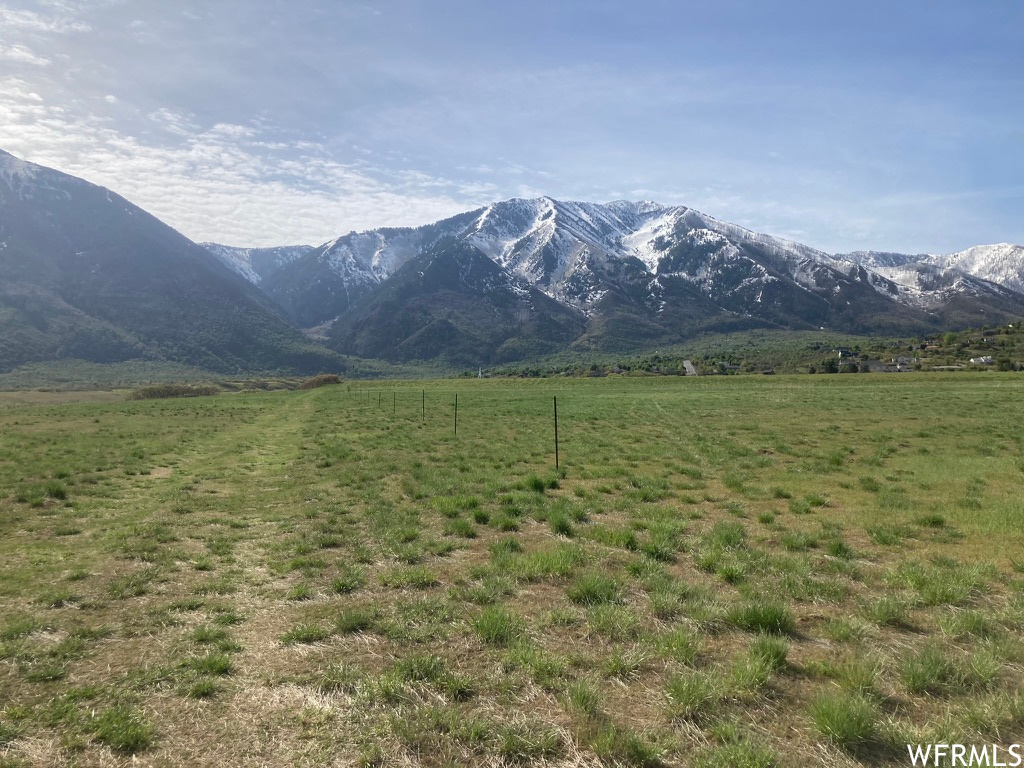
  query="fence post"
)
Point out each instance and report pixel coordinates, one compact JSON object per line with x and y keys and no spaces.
{"x":556,"y":431}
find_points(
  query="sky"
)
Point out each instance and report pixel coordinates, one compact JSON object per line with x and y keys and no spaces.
{"x":846,"y":126}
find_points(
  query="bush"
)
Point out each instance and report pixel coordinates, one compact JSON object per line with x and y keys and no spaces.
{"x":320,"y":381}
{"x":160,"y":391}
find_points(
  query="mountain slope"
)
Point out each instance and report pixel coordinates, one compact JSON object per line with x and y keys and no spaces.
{"x":454,"y":303}
{"x":333,"y":277}
{"x":86,"y":274}
{"x":1002,"y":263}
{"x":256,"y":264}
{"x":641,"y":272}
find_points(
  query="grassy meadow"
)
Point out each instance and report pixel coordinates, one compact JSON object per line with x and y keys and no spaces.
{"x":730,"y":571}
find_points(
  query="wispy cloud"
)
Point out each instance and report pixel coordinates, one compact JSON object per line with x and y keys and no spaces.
{"x":60,"y":20}
{"x":226,"y":182}
{"x":237,"y":122}
{"x":23,"y":55}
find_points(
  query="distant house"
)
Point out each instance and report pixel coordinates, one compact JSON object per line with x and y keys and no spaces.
{"x":983,"y":360}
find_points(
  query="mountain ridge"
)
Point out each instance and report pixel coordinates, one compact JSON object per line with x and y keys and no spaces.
{"x":546,"y":241}
{"x":86,"y":274}
{"x":648,"y":259}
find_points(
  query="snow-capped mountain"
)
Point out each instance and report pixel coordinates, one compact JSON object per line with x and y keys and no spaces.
{"x":670,"y":269}
{"x":1002,"y":263}
{"x":84,"y":273}
{"x":255,"y":264}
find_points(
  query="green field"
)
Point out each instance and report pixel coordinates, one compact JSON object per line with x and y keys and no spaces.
{"x":727,"y":571}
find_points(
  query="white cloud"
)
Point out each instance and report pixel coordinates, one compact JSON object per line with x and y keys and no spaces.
{"x":23,"y":55}
{"x":227,"y":183}
{"x":61,"y":22}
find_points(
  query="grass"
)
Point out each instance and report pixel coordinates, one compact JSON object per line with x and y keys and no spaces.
{"x":595,"y":589}
{"x":123,"y":729}
{"x":498,"y":626}
{"x":304,"y":574}
{"x":848,"y":720}
{"x":762,"y":615}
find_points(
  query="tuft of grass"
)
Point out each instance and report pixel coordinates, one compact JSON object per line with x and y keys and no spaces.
{"x":582,"y":699}
{"x":354,"y":619}
{"x":301,"y":592}
{"x":930,"y":671}
{"x":202,"y":689}
{"x":770,"y":651}
{"x":692,"y":696}
{"x":215,"y":664}
{"x":526,"y":743}
{"x":681,"y":645}
{"x":460,"y":526}
{"x":56,"y":490}
{"x":124,"y":729}
{"x":739,"y":754}
{"x":616,"y":745}
{"x":594,"y":588}
{"x":304,"y":634}
{"x":498,"y":626}
{"x":848,"y":720}
{"x":762,"y":616}
{"x":349,"y":579}
{"x":888,"y":611}
{"x":560,"y":524}
{"x":406,"y":577}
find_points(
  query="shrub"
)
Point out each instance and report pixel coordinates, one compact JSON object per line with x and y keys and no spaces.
{"x":160,"y":391}
{"x":320,"y":381}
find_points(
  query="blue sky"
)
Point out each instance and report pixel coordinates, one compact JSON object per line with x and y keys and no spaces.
{"x":890,"y":126}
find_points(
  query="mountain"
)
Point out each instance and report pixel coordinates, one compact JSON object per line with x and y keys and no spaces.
{"x":974,"y":287}
{"x":1002,"y":263}
{"x":454,"y":303}
{"x":256,"y":264}
{"x":641,"y":273}
{"x":85,"y":274}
